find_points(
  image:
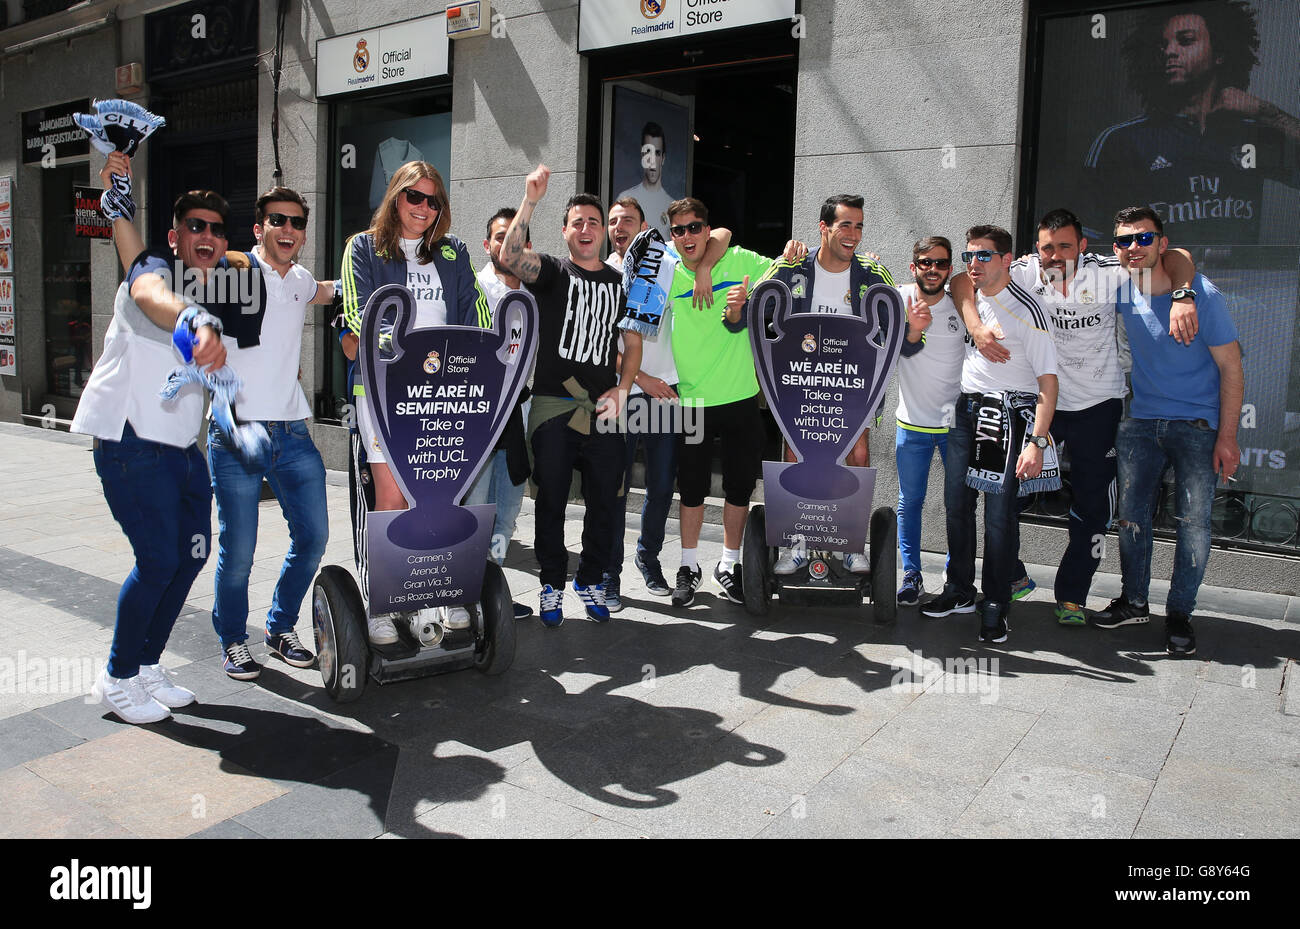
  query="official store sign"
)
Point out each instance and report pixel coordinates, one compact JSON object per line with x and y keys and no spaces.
{"x":606,"y":23}
{"x":393,"y":54}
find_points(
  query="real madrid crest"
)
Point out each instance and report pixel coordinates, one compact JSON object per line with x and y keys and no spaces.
{"x":432,"y":363}
{"x":809,"y":343}
{"x":361,"y":59}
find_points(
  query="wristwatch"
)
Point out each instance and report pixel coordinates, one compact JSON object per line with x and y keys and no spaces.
{"x":1039,"y":440}
{"x":1183,"y":293}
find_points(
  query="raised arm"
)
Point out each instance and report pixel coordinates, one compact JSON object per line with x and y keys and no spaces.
{"x":519,"y":260}
{"x":125,"y":236}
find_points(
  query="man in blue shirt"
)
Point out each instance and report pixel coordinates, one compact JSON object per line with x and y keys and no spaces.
{"x":1185,"y":410}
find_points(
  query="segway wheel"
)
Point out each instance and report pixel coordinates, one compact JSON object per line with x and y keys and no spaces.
{"x":756,"y":565}
{"x":338,"y":619}
{"x":494,"y":652}
{"x":884,"y":565}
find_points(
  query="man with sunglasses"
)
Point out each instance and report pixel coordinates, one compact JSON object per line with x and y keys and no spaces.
{"x":929,"y":382}
{"x":831,"y":279}
{"x":1007,"y":406}
{"x":268,"y":362}
{"x":578,"y":382}
{"x":1185,"y":411}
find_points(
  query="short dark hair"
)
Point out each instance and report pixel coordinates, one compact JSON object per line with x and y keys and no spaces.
{"x":1059,"y":219}
{"x":689,"y":205}
{"x":629,"y":203}
{"x":506,"y":212}
{"x":848,"y":200}
{"x":1000,"y":238}
{"x":654,"y":130}
{"x":930,"y":242}
{"x":1135,"y":214}
{"x":282,"y":194}
{"x":201,"y":200}
{"x":584,"y":200}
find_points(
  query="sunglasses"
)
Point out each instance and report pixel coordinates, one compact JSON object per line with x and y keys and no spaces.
{"x":1141,"y":238}
{"x":196,"y":226}
{"x":279,"y":219}
{"x":693,"y":228}
{"x":982,"y":255}
{"x":416,"y":197}
{"x":925,"y":264}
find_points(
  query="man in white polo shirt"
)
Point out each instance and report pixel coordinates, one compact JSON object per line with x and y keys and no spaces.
{"x":267,"y":360}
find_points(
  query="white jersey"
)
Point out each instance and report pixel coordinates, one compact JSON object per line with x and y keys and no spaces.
{"x":269,"y":370}
{"x":1083,"y":326}
{"x":930,"y":380}
{"x":831,"y":292}
{"x":1021,"y":322}
{"x":425,"y":283}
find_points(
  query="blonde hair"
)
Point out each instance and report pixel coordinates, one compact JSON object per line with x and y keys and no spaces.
{"x":386,"y":225}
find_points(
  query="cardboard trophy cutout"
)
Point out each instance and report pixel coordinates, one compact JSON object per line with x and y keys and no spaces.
{"x":824,"y":376}
{"x":439,"y":399}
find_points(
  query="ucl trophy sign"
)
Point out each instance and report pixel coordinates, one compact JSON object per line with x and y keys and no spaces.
{"x":439,"y":398}
{"x":824,"y":376}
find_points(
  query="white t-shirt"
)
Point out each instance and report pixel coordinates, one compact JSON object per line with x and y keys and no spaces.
{"x":830,"y":292}
{"x":930,"y":380}
{"x":654,"y":204}
{"x":425,"y":282}
{"x":657,"y":350}
{"x":269,"y":370}
{"x":1083,"y":325}
{"x":1022,"y":322}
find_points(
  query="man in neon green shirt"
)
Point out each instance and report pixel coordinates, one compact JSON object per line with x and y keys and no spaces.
{"x":715,"y":371}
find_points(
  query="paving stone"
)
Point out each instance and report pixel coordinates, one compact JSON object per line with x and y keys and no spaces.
{"x":29,"y":736}
{"x":1196,"y":798}
{"x":35,"y":808}
{"x":505,"y":811}
{"x":349,"y":804}
{"x":608,"y":829}
{"x":227,"y":830}
{"x":153,"y":785}
{"x":1107,"y":733}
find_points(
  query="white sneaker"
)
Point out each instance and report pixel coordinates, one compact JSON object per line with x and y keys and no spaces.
{"x":455,"y":617}
{"x":790,"y":560}
{"x":128,"y":699}
{"x":857,"y":563}
{"x":157,"y":682}
{"x":381,"y":629}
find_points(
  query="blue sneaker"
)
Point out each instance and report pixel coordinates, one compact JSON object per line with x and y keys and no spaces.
{"x":912,"y":588}
{"x":593,"y":598}
{"x":289,"y":648}
{"x":613,"y":602}
{"x":1023,"y":588}
{"x":552,"y":606}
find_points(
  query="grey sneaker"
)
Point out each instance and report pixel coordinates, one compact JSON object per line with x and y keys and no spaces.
{"x":613,"y":602}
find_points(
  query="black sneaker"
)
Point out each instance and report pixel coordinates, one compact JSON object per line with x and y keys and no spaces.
{"x":1180,"y":640}
{"x":655,"y":582}
{"x":687,"y":580}
{"x":289,"y":648}
{"x":993,"y":624}
{"x":237,"y":662}
{"x":947,"y":603}
{"x":730,"y":583}
{"x":522,"y":612}
{"x":1121,"y":613}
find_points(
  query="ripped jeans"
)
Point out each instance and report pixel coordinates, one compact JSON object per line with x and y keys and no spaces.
{"x":1144,"y":447}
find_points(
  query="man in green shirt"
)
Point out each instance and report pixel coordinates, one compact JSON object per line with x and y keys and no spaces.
{"x":715,"y":370}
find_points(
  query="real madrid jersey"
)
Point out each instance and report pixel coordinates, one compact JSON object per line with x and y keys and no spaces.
{"x":1082,"y":323}
{"x":930,"y":380}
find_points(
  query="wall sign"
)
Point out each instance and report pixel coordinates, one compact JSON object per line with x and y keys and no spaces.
{"x":373,"y":58}
{"x":90,"y":222}
{"x":50,"y":132}
{"x":606,"y":23}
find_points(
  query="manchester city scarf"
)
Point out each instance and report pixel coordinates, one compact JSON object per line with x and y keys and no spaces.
{"x":118,"y":126}
{"x":648,"y":270}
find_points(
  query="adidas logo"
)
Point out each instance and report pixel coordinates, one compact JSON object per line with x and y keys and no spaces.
{"x":1161,"y":162}
{"x":1111,"y":453}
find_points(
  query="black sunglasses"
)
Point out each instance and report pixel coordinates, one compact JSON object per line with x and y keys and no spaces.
{"x":196,"y":226}
{"x":279,"y":219}
{"x":1141,"y":238}
{"x":982,"y":254}
{"x":416,"y":197}
{"x":925,"y":264}
{"x":693,"y":228}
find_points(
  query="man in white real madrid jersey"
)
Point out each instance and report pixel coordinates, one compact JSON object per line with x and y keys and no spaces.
{"x":1078,"y":291}
{"x":928,"y":385}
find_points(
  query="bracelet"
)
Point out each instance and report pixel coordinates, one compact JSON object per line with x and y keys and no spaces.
{"x":188,"y":323}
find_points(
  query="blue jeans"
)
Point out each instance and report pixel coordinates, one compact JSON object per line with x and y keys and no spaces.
{"x":1145,"y":446}
{"x":913,"y":452}
{"x":159,"y":495}
{"x":660,"y":475}
{"x":294,"y":469}
{"x":1001,"y":518}
{"x":493,"y":486}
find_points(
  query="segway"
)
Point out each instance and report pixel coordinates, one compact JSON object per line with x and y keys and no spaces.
{"x":439,"y":398}
{"x":823,"y":377}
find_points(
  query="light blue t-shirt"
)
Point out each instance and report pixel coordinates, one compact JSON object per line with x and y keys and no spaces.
{"x":1170,"y":380}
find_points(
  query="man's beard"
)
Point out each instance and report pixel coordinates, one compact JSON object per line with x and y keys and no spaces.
{"x":920,"y":284}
